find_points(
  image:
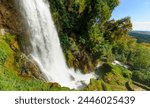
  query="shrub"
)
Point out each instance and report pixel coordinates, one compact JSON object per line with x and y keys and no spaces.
{"x":141,"y":58}
{"x":95,"y":85}
{"x":8,"y":38}
{"x":141,"y":85}
{"x":105,"y":86}
{"x":3,"y":56}
{"x":141,"y":77}
{"x":71,"y":60}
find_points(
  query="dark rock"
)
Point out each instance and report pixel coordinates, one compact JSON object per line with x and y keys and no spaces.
{"x":30,"y":68}
{"x":9,"y":17}
{"x":12,"y":22}
{"x":51,"y":85}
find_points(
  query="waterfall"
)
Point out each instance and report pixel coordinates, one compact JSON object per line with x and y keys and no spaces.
{"x":46,"y":49}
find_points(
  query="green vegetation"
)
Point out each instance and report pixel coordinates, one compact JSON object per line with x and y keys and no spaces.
{"x":95,"y":85}
{"x":142,"y":36}
{"x":81,"y":26}
{"x":88,"y":38}
{"x":10,"y":73}
{"x":129,"y":86}
{"x":10,"y":80}
{"x":142,"y":77}
{"x":141,"y":85}
{"x":3,"y":56}
{"x":111,"y":78}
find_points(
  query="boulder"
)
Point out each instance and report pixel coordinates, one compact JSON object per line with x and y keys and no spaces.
{"x":30,"y":68}
{"x":2,"y":31}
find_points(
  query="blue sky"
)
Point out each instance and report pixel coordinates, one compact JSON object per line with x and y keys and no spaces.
{"x":138,"y":10}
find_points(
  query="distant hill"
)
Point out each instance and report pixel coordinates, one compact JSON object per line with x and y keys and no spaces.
{"x":142,"y":36}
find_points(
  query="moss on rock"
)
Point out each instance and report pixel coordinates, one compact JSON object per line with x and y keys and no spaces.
{"x":10,"y":69}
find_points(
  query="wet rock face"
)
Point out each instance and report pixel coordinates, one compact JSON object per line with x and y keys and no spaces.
{"x":30,"y":68}
{"x":11,"y":21}
{"x":9,"y":17}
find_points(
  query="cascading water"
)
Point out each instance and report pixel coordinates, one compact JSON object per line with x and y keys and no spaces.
{"x":46,"y":49}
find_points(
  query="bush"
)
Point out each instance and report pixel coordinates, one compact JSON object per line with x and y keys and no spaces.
{"x":8,"y":38}
{"x":71,"y":60}
{"x":141,"y":58}
{"x":105,"y":86}
{"x":80,"y":25}
{"x":121,"y":52}
{"x":141,"y":77}
{"x":116,"y":70}
{"x":95,"y":85}
{"x":141,"y":85}
{"x":3,"y":56}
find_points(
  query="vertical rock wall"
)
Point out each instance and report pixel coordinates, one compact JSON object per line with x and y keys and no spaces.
{"x":9,"y":17}
{"x":12,"y":22}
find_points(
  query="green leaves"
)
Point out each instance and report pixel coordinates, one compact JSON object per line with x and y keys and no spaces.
{"x":142,"y":77}
{"x":81,"y":28}
{"x":117,"y":30}
{"x":3,"y":56}
{"x":141,"y":58}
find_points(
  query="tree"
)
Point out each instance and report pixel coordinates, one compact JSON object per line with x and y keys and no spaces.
{"x":117,"y":29}
{"x":82,"y":22}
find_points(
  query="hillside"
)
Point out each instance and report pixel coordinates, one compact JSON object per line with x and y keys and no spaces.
{"x":90,"y":42}
{"x":141,"y":36}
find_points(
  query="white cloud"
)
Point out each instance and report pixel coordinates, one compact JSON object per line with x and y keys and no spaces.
{"x":141,"y":26}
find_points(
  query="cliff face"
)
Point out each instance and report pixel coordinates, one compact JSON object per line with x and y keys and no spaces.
{"x":12,"y":22}
{"x":9,"y":17}
{"x":13,"y":38}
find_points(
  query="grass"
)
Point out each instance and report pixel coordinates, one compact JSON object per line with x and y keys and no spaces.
{"x":114,"y":76}
{"x":10,"y":81}
{"x":141,"y":85}
{"x":111,"y":78}
{"x":10,"y":78}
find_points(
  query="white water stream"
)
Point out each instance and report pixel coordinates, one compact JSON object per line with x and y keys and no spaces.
{"x":46,"y":49}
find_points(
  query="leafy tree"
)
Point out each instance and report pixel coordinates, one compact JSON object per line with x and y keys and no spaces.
{"x":81,"y":28}
{"x":140,"y":59}
{"x":117,"y":30}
